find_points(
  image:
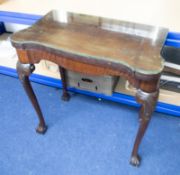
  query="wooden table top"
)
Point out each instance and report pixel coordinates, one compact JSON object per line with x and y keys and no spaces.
{"x":135,"y":46}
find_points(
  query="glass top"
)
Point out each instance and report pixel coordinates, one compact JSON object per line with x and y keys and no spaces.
{"x":134,"y":45}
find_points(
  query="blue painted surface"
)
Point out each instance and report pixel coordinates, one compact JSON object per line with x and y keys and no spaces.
{"x":18,"y":18}
{"x":85,"y":136}
{"x":20,"y":15}
{"x":173,"y":39}
{"x":173,"y":35}
{"x":116,"y":97}
{"x":2,"y":28}
{"x":172,"y":43}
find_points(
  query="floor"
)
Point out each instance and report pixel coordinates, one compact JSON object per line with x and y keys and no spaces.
{"x":86,"y":136}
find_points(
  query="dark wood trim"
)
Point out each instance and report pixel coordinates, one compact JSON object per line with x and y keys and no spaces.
{"x":86,"y":60}
{"x":91,"y":67}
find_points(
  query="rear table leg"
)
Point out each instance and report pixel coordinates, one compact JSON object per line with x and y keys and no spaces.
{"x":65,"y":95}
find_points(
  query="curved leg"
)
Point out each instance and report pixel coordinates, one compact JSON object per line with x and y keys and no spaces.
{"x":148,"y":101}
{"x":24,"y":70}
{"x":65,"y":95}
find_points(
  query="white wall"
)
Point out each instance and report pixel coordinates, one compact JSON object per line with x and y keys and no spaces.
{"x":156,"y":12}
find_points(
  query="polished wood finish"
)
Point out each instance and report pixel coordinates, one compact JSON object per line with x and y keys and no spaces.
{"x":148,"y":103}
{"x":95,"y":46}
{"x":99,"y":39}
{"x":24,"y":70}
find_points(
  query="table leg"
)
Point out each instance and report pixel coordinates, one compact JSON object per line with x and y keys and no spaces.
{"x":148,"y":101}
{"x":24,"y":70}
{"x":65,"y":95}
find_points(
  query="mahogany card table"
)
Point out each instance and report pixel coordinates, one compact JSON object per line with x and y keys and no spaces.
{"x":95,"y":46}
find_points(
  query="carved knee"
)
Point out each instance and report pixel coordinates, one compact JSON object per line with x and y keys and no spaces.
{"x":148,"y":102}
{"x":24,"y":70}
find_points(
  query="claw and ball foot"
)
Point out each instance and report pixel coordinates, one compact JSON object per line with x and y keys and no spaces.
{"x":135,"y":160}
{"x":65,"y":97}
{"x":24,"y":71}
{"x":41,"y":129}
{"x":148,"y":101}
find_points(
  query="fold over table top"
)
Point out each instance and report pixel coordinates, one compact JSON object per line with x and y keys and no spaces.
{"x":135,"y":46}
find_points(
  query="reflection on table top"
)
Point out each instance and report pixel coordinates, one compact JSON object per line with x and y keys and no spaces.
{"x":136,"y":46}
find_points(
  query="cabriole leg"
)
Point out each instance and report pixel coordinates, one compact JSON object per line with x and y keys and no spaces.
{"x":24,"y":71}
{"x":148,"y":102}
{"x":65,"y":95}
